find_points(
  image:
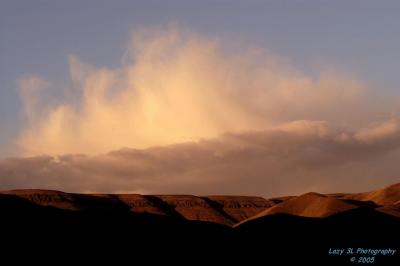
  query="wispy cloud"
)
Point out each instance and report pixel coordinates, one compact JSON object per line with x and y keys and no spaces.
{"x":175,"y":85}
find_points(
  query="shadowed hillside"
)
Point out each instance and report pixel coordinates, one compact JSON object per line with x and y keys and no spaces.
{"x":297,"y":229}
{"x":226,"y":210}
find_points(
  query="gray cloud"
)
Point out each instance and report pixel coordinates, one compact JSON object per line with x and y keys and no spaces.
{"x":289,"y":159}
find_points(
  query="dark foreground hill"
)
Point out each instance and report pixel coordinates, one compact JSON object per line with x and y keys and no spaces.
{"x":184,"y":229}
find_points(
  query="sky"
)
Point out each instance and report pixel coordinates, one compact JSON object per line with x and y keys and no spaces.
{"x":146,"y":91}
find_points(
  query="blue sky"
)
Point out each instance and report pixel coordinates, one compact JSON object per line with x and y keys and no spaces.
{"x":36,"y":37}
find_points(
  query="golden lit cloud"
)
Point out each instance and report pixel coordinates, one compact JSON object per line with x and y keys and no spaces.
{"x":176,"y":86}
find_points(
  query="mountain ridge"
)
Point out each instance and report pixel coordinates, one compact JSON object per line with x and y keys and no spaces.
{"x":182,"y":229}
{"x":226,"y":210}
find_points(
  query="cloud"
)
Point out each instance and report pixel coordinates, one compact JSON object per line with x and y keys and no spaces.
{"x":186,"y":113}
{"x":30,"y":88}
{"x":176,"y":86}
{"x":289,"y":159}
{"x":380,"y":131}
